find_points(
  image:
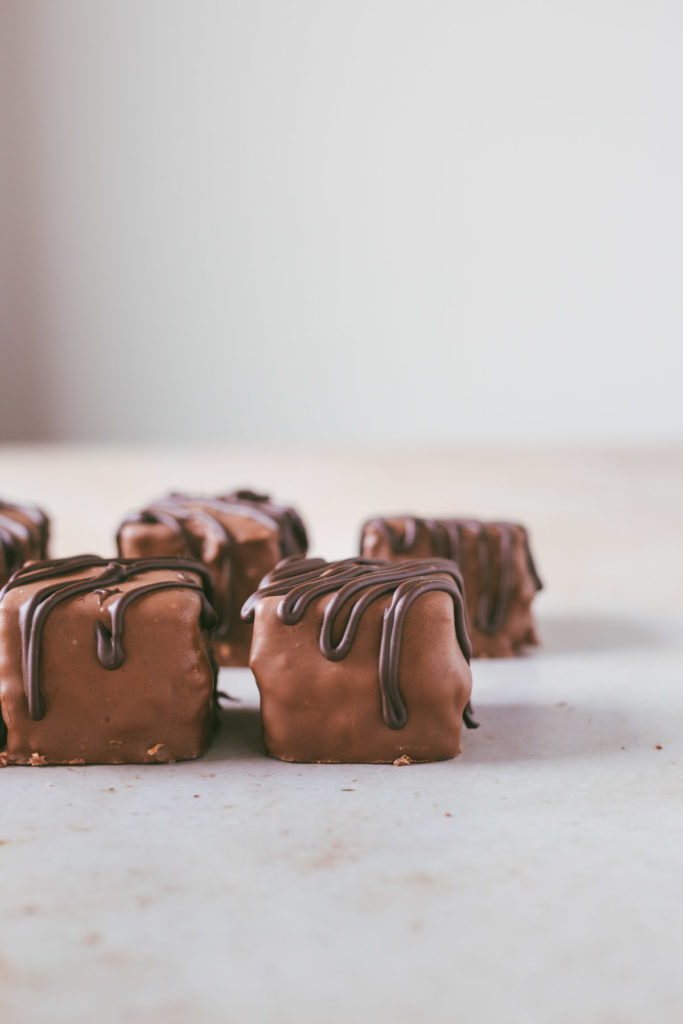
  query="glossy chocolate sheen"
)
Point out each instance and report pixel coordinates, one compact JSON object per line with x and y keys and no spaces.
{"x":238,"y":536}
{"x":24,"y":534}
{"x":106,"y":662}
{"x":498,"y":570}
{"x":360,"y":661}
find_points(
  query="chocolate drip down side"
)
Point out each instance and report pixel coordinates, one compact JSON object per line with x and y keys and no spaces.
{"x":101,"y":575}
{"x":176,"y":510}
{"x":16,"y":537}
{"x":356,"y":583}
{"x":446,"y":540}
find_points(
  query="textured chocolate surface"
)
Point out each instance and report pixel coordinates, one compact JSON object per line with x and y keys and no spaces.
{"x":106,"y":662}
{"x":24,"y":533}
{"x":498,"y":569}
{"x":358,"y":660}
{"x":238,"y":536}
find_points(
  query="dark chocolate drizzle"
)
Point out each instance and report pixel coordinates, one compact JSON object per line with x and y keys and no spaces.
{"x":16,"y":537}
{"x":356,"y":584}
{"x":176,"y":510}
{"x":101,"y":578}
{"x":445,"y":537}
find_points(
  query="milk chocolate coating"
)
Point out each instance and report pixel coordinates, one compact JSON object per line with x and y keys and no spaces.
{"x":24,"y":534}
{"x":106,"y":662}
{"x":360,"y":661}
{"x":238,"y":536}
{"x":498,"y":570}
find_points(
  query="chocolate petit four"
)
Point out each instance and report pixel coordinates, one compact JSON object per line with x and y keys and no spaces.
{"x":496,"y":563}
{"x":239,"y":537}
{"x":24,"y":532}
{"x":106,"y":662}
{"x":361,"y":661}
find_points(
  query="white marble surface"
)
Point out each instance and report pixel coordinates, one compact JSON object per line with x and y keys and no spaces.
{"x":537,"y":878}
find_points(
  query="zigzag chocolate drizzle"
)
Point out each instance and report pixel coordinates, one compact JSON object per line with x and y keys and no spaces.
{"x":359,"y":582}
{"x":102,"y":575}
{"x":176,"y":510}
{"x":445,"y":536}
{"x":16,"y":537}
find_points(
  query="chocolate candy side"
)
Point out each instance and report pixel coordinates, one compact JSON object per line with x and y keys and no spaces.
{"x":498,"y":569}
{"x":24,"y":535}
{"x":238,"y":536}
{"x":106,"y":662}
{"x":361,"y":662}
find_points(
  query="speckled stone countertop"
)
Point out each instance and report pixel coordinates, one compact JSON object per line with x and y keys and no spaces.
{"x":537,"y":878}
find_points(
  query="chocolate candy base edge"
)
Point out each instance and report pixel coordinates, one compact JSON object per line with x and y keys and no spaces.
{"x":517,"y":630}
{"x":319,"y":711}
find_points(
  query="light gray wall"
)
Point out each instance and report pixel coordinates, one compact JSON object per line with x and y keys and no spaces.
{"x":365,"y":219}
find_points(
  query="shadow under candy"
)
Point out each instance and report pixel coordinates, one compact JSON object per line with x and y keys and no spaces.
{"x":529,"y":732}
{"x":238,"y":736}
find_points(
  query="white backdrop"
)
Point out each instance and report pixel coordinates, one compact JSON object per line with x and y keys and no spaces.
{"x":337,"y":221}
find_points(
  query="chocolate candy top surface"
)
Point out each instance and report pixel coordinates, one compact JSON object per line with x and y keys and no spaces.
{"x":22,"y":527}
{"x":400,"y":533}
{"x":176,"y":509}
{"x":355,"y":583}
{"x":212,"y":513}
{"x":117,"y":582}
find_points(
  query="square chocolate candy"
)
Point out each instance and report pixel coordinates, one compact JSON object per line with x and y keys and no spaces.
{"x":497,"y":566}
{"x":24,"y":532}
{"x":360,"y":661}
{"x":239,"y":537}
{"x":106,"y":662}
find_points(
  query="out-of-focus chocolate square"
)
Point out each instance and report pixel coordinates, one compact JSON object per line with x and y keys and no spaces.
{"x":497,"y":566}
{"x":238,"y":536}
{"x":24,"y":533}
